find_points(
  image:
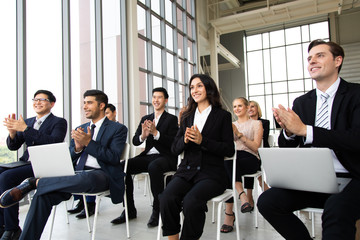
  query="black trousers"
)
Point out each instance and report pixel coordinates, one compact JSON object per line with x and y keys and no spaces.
{"x":9,"y":178}
{"x":191,"y":198}
{"x":338,"y":220}
{"x":156,"y":165}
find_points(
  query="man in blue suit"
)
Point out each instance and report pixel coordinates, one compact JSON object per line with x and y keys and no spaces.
{"x":45,"y":128}
{"x":96,"y":149}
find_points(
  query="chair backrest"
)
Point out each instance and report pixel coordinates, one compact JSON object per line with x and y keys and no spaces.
{"x":125,"y":155}
{"x":234,"y":167}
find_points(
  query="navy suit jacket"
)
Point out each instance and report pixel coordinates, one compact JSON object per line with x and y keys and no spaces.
{"x":206,"y":161}
{"x":168,"y":127}
{"x":107,"y":150}
{"x":344,"y":136}
{"x":52,"y":130}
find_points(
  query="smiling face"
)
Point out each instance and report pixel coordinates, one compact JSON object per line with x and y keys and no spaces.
{"x":322,"y":65}
{"x":239,"y":108}
{"x":93,"y":110}
{"x":42,"y":107}
{"x":253,"y":110}
{"x":110,"y":115}
{"x":198,"y":91}
{"x":159,"y":101}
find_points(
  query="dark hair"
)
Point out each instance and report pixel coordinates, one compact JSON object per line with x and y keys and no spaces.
{"x":212,"y":94}
{"x":335,"y":49}
{"x":161,"y":89}
{"x":111,"y":107}
{"x":100,"y":96}
{"x":50,"y":95}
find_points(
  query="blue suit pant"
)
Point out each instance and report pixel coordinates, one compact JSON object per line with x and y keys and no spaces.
{"x":9,"y":178}
{"x":52,"y":191}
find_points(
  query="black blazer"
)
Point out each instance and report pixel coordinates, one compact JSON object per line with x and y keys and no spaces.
{"x":266,"y":127}
{"x":107,"y":150}
{"x":207,"y":159}
{"x":344,"y":136}
{"x":167,"y":126}
{"x":52,"y":130}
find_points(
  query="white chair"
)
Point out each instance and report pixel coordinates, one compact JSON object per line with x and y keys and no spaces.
{"x":312,"y":212}
{"x":255,"y":191}
{"x":229,"y":193}
{"x":99,"y":195}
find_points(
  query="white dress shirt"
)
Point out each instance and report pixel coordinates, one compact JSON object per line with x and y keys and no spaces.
{"x":201,"y":117}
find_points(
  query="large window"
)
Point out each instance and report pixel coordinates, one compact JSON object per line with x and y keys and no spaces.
{"x":7,"y":72}
{"x":167,"y":50}
{"x":277,"y":66}
{"x":44,"y":52}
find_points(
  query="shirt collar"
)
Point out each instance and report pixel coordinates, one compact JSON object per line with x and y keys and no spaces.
{"x":331,"y":90}
{"x":98,"y":123}
{"x":42,"y":119}
{"x":206,"y":111}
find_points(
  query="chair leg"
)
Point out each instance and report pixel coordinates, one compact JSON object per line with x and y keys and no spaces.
{"x":87,"y":213}
{"x":213,"y":213}
{"x":159,"y":228}
{"x":52,"y":221}
{"x":97,"y":204}
{"x":312,"y":225}
{"x":237,"y":225}
{"x":126,"y":216}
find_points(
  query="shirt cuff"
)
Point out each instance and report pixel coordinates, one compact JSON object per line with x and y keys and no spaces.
{"x":157,"y":135}
{"x":292,"y":137}
{"x":309,"y":135}
{"x":141,"y":139}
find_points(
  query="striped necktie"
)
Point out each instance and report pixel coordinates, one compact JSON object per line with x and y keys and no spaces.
{"x":37,"y":124}
{"x":322,"y":117}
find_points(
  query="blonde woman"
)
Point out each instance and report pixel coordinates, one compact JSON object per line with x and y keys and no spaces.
{"x":248,"y":134}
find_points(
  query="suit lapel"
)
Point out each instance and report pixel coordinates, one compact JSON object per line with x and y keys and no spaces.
{"x":102,"y":129}
{"x":211,"y":119}
{"x":162,"y":119}
{"x":46,"y":122}
{"x":311,"y":105}
{"x":339,"y":96}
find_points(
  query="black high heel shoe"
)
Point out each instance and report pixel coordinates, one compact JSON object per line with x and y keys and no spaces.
{"x":227,"y":228}
{"x":246,"y":207}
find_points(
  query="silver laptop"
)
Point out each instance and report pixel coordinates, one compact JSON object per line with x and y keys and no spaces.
{"x":306,"y":169}
{"x":51,"y":160}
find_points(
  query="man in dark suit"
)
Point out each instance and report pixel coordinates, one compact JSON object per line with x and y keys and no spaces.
{"x":45,"y":128}
{"x":96,"y":150}
{"x":158,"y":129}
{"x":328,"y":116}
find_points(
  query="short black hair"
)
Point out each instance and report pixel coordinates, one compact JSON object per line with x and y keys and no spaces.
{"x":100,"y":96}
{"x":335,"y":49}
{"x":50,"y":95}
{"x":161,"y":89}
{"x":111,"y":107}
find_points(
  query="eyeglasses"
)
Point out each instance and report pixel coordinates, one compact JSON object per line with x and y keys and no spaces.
{"x":40,"y":99}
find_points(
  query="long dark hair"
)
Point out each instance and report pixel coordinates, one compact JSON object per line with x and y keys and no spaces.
{"x":212,"y":95}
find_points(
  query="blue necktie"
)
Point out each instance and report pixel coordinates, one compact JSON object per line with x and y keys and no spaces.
{"x":80,"y":166}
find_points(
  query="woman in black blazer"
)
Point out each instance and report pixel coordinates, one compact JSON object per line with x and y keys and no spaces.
{"x":205,"y":136}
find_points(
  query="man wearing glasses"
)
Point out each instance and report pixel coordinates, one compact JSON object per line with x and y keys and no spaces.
{"x":45,"y":128}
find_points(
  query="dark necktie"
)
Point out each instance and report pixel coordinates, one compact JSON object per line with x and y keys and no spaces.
{"x":80,"y":166}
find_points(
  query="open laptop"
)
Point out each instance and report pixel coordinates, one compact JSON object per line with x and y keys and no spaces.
{"x":306,"y":169}
{"x":51,"y":160}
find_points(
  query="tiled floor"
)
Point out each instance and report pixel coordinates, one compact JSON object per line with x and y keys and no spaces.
{"x":77,"y":229}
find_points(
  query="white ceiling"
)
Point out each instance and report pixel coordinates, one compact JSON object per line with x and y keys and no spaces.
{"x":228,"y":16}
